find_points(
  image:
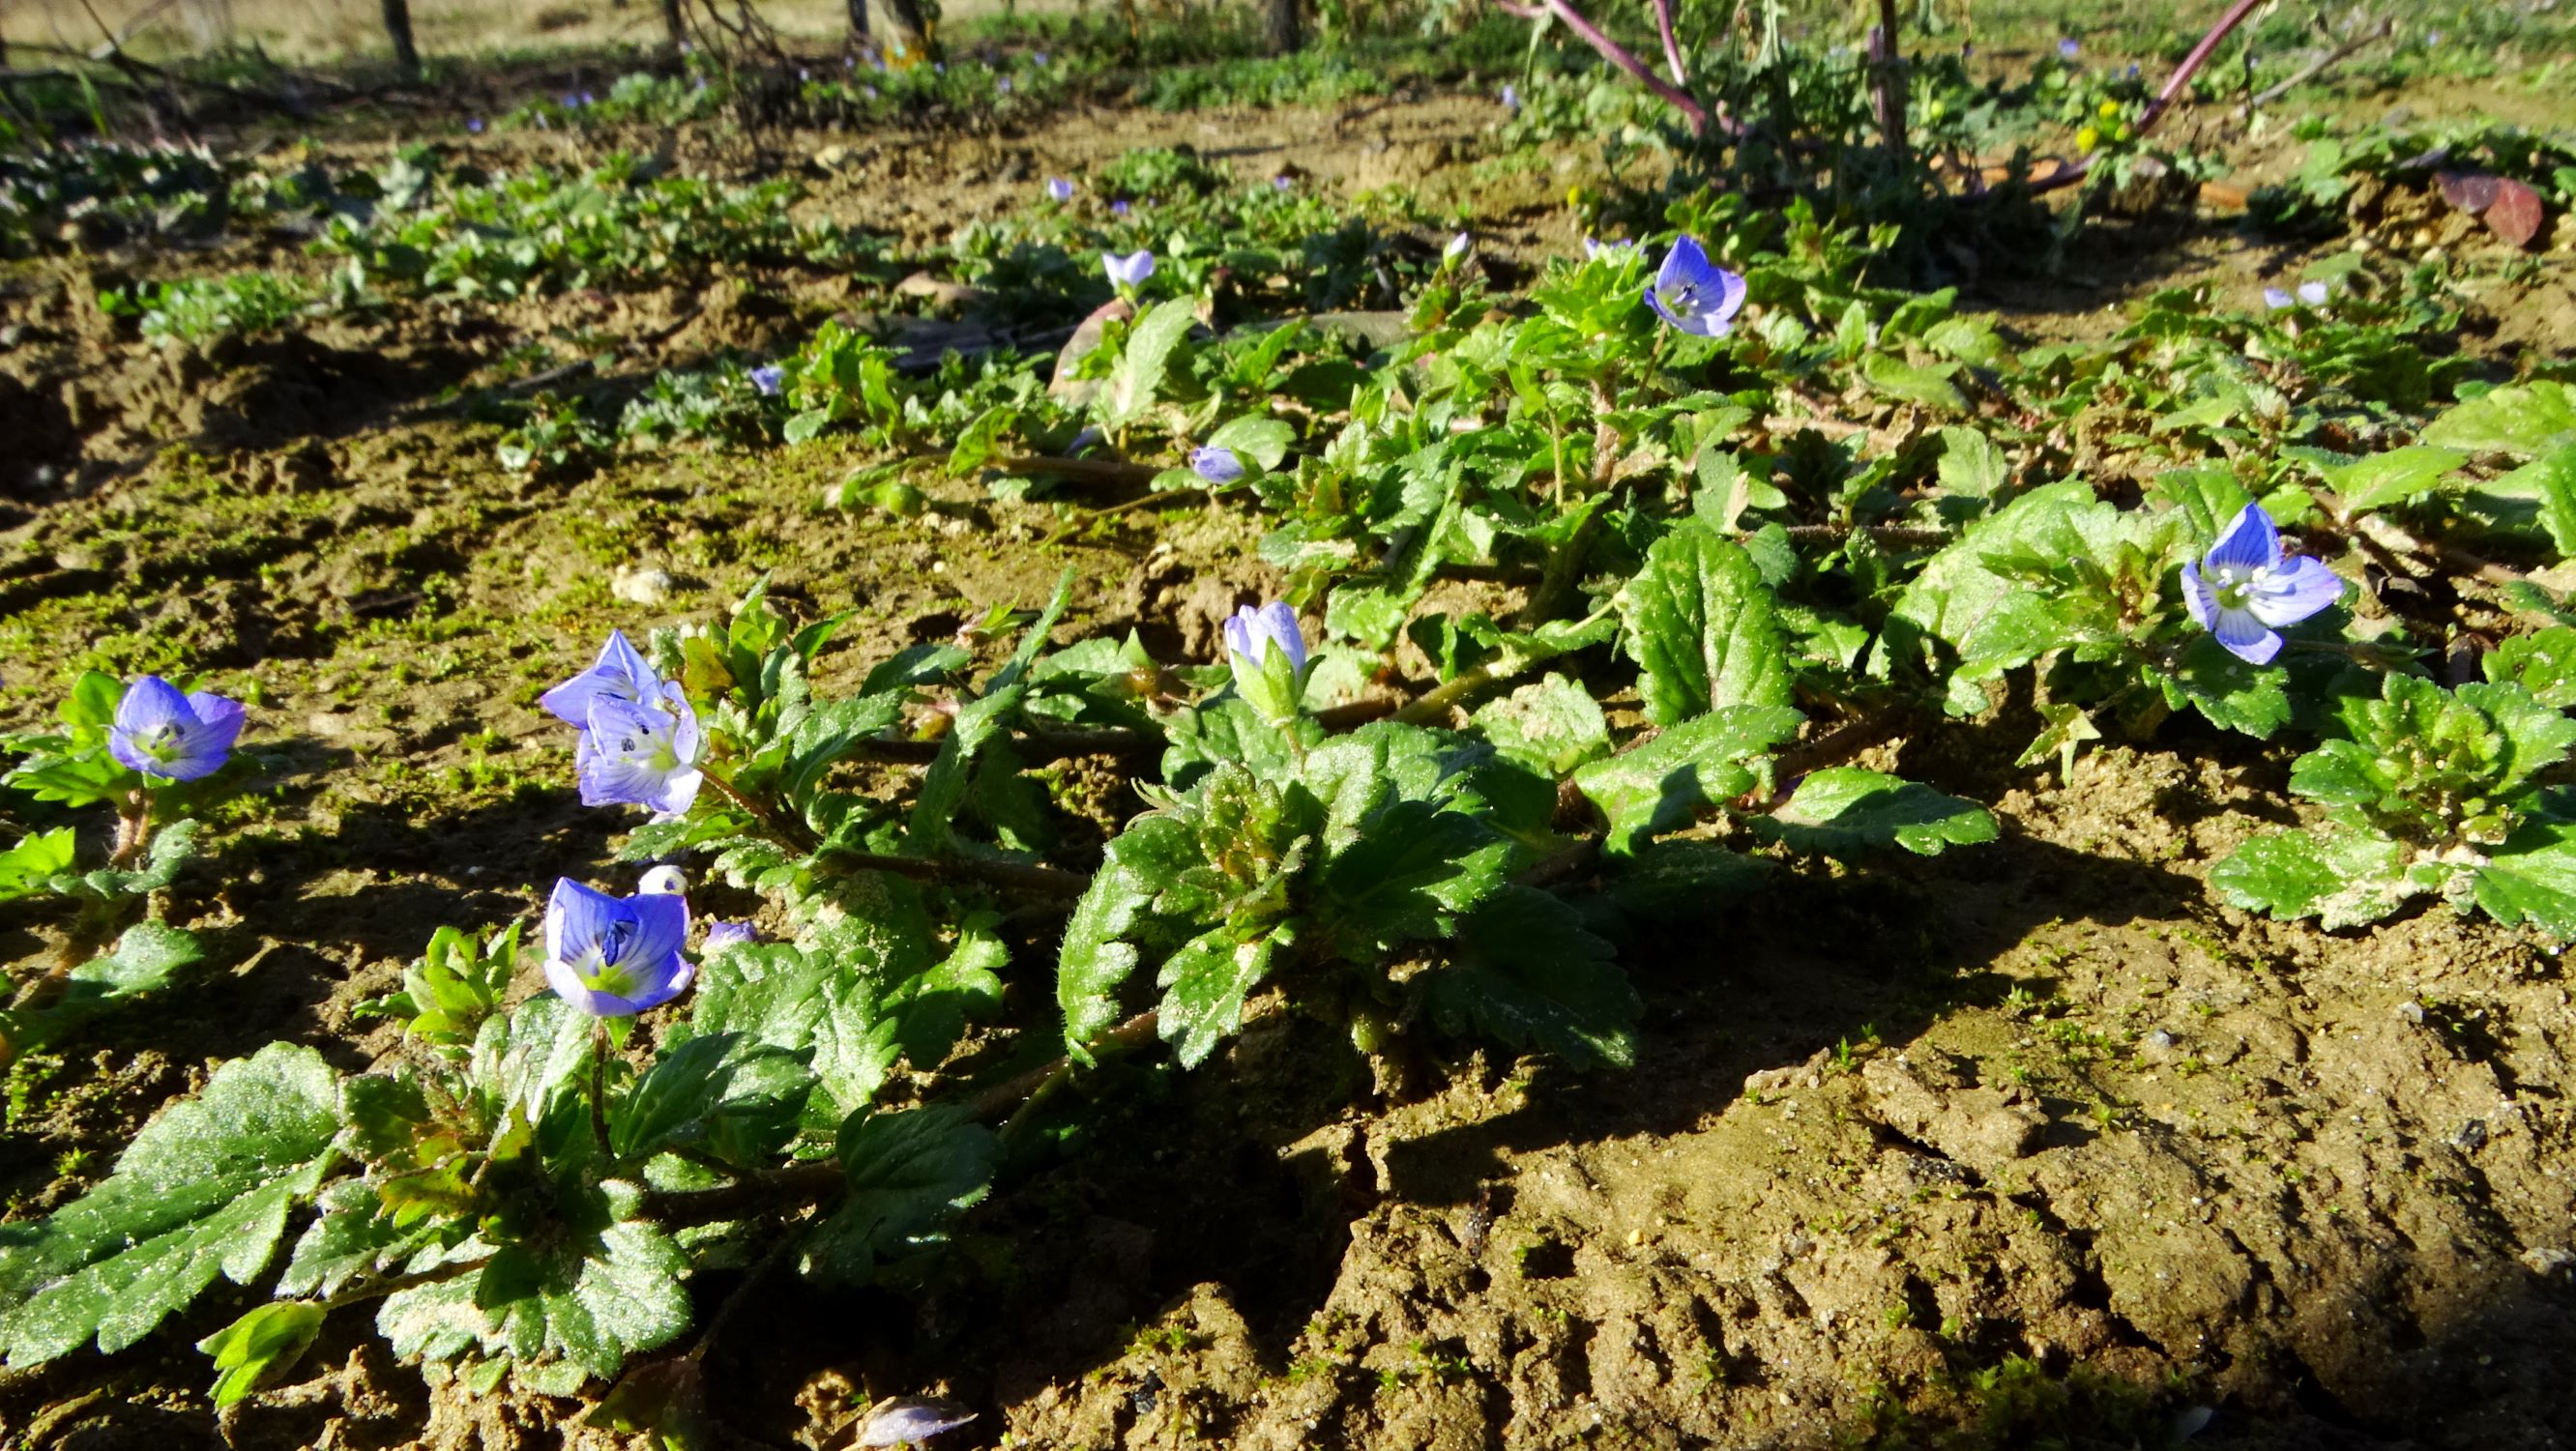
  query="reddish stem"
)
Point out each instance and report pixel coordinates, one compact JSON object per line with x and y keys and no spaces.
{"x":2067,"y":175}
{"x":1672,"y":45}
{"x":1618,"y":55}
{"x":2192,"y":63}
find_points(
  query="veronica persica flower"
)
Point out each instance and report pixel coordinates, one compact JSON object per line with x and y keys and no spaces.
{"x":174,"y":737}
{"x":1693,"y":293}
{"x":636,"y":753}
{"x":1511,"y":99}
{"x":2245,"y":591}
{"x":475,"y":125}
{"x":1267,"y":651}
{"x":613,"y":957}
{"x":768,"y":378}
{"x":723,"y":935}
{"x":2067,"y":49}
{"x":1059,"y":189}
{"x":1594,"y":250}
{"x":664,"y":882}
{"x":910,"y":1422}
{"x":1119,"y":208}
{"x":620,"y":673}
{"x":2310,"y":294}
{"x":1216,"y":465}
{"x":1130,"y":270}
{"x":1457,"y":247}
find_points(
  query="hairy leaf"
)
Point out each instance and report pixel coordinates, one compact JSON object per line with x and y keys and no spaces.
{"x":906,"y":1172}
{"x":2339,"y":874}
{"x":204,"y":1190}
{"x":1096,"y":959}
{"x":269,"y":1338}
{"x":1655,"y":787}
{"x":1701,"y":629}
{"x":1526,"y":972}
{"x":1846,"y":808}
{"x":1204,"y":984}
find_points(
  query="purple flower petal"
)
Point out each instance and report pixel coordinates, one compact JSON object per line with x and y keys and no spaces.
{"x":2250,"y":543}
{"x":1216,"y":465}
{"x":2285,"y":596}
{"x":2246,"y":637}
{"x":621,"y":671}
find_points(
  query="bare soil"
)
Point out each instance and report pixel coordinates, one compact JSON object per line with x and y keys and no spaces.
{"x":2036,"y":1143}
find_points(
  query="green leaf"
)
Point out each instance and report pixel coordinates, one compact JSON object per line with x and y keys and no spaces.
{"x":270,"y":1338}
{"x":1992,"y":621}
{"x":1138,"y":377}
{"x":2551,"y":479}
{"x":2343,"y":876}
{"x":143,"y":961}
{"x":2532,"y":878}
{"x":2229,"y":693}
{"x":906,"y":1173}
{"x":1096,"y":959}
{"x":931,"y":1008}
{"x":352,"y":1238}
{"x":1683,"y":878}
{"x":1700,"y":627}
{"x":2528,"y":420}
{"x":2400,"y":474}
{"x":1655,"y":787}
{"x":204,"y":1190}
{"x":26,"y":867}
{"x":2544,"y":664}
{"x":1845,"y":808}
{"x":802,"y":1002}
{"x":1527,"y":973}
{"x":1205,"y":983}
{"x":726,"y":1094}
{"x":1971,"y":466}
{"x":1256,"y":440}
{"x":1914,"y":383}
{"x":601,"y":1289}
{"x":1551,"y":727}
{"x":1412,"y":867}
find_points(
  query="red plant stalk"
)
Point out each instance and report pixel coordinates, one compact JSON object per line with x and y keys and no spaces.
{"x":1672,"y":45}
{"x":2174,"y":84}
{"x":1618,"y":55}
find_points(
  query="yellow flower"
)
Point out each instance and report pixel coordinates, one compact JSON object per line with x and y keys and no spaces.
{"x":2110,"y":110}
{"x":2087,"y":139}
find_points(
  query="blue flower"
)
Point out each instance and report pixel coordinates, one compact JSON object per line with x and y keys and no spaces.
{"x":1282,"y":182}
{"x":2311,"y":294}
{"x":2244,"y":591}
{"x":1457,"y":248}
{"x":2067,"y":49}
{"x":722,"y":935}
{"x":1130,"y":270}
{"x":1217,"y":465}
{"x":1511,"y":99}
{"x":768,"y":378}
{"x":474,"y":124}
{"x":613,"y":957}
{"x":1267,"y":651}
{"x":1119,"y":208}
{"x":638,"y":754}
{"x":1595,"y":250}
{"x":174,"y":737}
{"x":1002,"y":84}
{"x":620,"y":672}
{"x":1693,"y":293}
{"x":1059,"y":189}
